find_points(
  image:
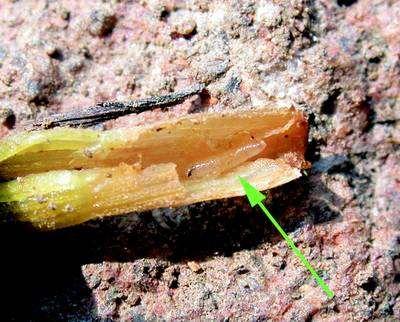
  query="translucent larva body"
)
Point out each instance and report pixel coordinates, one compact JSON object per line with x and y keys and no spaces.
{"x":223,"y":162}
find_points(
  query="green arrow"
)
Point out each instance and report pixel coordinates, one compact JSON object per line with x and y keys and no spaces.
{"x":255,"y":198}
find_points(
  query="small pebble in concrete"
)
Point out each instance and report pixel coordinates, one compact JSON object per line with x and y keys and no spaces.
{"x":102,"y":22}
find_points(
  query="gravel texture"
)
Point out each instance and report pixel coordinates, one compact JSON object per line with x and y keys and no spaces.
{"x":338,"y":60}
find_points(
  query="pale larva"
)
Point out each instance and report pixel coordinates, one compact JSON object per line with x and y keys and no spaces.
{"x":230,"y":159}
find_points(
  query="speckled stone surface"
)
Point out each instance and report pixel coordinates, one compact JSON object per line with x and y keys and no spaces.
{"x":336,"y":60}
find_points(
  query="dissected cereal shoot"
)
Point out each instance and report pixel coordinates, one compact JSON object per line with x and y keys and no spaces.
{"x":64,"y":176}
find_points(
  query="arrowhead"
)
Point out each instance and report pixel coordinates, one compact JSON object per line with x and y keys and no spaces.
{"x":252,"y":193}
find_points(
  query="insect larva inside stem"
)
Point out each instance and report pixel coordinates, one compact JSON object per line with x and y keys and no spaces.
{"x":222,"y":162}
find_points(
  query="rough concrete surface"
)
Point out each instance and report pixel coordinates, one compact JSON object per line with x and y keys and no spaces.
{"x":338,"y":60}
